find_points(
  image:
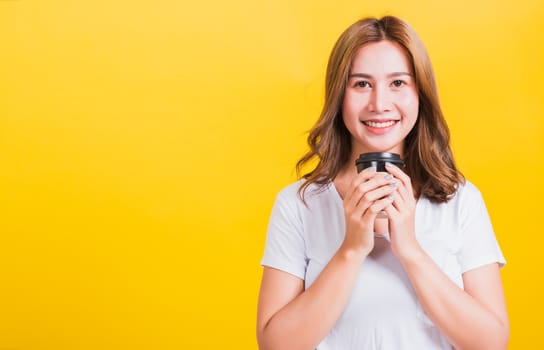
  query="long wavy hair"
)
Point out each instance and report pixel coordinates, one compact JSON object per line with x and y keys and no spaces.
{"x":427,"y":154}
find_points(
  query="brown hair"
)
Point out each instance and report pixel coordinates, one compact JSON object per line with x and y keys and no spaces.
{"x":427,"y":155}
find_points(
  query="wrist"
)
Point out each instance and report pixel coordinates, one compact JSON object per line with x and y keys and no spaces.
{"x":351,"y":254}
{"x":412,"y":256}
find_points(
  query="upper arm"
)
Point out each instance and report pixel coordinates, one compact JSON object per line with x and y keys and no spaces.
{"x":278,"y":288}
{"x":485,"y":286}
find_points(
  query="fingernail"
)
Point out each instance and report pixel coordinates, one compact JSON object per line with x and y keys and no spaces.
{"x":372,"y":169}
{"x":387,"y":164}
{"x":394,"y":185}
{"x":388,"y":177}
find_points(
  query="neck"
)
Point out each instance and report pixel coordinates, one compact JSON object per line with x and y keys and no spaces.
{"x":348,"y":170}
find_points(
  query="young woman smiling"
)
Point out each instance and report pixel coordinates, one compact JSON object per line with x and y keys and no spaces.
{"x":338,"y":276}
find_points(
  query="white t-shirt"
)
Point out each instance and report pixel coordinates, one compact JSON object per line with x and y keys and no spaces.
{"x":383,"y":311}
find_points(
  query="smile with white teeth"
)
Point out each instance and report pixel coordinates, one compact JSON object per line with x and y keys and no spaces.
{"x":379,"y":124}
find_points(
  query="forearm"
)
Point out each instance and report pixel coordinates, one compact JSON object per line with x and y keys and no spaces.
{"x":306,"y":320}
{"x":461,"y":318}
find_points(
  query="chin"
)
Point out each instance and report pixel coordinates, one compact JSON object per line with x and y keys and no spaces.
{"x":386,"y":148}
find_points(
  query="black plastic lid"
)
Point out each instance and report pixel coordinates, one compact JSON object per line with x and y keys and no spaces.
{"x":379,"y":156}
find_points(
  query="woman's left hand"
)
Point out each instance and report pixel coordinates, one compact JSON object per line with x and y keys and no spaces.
{"x":402,"y":213}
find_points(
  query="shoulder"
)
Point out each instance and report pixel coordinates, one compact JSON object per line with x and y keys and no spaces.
{"x":467,"y":194}
{"x":291,"y":190}
{"x":292,"y":193}
{"x":467,"y":188}
{"x":464,"y":202}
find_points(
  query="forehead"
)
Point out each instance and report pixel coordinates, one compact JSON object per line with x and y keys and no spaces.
{"x":381,"y":57}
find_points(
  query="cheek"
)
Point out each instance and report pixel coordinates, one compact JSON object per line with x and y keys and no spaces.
{"x":353,"y":104}
{"x":348,"y":103}
{"x":410,"y":105}
{"x":349,"y":109}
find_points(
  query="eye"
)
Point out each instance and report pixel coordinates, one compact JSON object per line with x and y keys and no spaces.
{"x":362,"y":84}
{"x":398,"y":83}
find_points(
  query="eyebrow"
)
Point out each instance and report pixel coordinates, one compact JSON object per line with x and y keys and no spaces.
{"x":368,"y":76}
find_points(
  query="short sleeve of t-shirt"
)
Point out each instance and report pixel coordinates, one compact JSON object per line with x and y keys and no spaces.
{"x":285,"y":247}
{"x":480,"y":247}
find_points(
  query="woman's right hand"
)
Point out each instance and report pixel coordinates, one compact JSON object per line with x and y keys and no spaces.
{"x":367,"y":195}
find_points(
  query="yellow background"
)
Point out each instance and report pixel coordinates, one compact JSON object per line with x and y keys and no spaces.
{"x":142,"y":144}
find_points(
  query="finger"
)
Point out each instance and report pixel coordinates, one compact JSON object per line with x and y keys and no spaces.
{"x":356,"y":193}
{"x":361,"y":178}
{"x":391,"y":210}
{"x":399,"y":174}
{"x":376,"y":207}
{"x":406,"y":190}
{"x":398,"y":204}
{"x":360,"y":209}
{"x":380,"y":192}
{"x":370,"y":197}
{"x":364,"y":175}
{"x":404,"y":194}
{"x":365,"y":191}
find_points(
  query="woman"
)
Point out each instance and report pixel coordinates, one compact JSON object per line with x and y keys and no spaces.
{"x":339,"y":276}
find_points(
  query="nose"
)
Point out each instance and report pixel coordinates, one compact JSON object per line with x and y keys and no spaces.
{"x":380,"y":100}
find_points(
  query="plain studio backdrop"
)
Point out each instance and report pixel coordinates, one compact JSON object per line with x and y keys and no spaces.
{"x":142,"y":144}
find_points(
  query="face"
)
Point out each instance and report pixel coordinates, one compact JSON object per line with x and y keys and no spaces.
{"x":381,"y":103}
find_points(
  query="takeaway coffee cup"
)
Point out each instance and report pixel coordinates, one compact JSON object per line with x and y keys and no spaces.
{"x":377,"y":159}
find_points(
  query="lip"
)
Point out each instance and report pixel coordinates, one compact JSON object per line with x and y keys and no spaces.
{"x":380,"y":131}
